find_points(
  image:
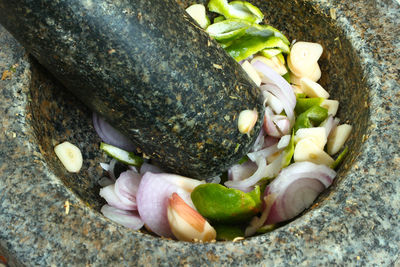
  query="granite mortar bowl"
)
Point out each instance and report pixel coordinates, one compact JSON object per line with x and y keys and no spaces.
{"x":53,"y":115}
{"x":59,"y":117}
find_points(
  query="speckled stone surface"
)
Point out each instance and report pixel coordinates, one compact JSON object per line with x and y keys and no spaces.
{"x":356,"y":222}
{"x":159,"y":79}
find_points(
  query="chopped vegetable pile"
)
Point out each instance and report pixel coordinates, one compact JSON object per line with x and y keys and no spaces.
{"x":292,"y":161}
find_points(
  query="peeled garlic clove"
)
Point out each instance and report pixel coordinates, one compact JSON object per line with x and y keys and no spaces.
{"x":331,"y":105}
{"x":198,"y":13}
{"x":70,"y":156}
{"x":306,"y":150}
{"x":302,"y":58}
{"x":316,"y":134}
{"x":246,"y":121}
{"x":312,"y":89}
{"x":315,"y":75}
{"x":251,"y":72}
{"x":186,"y":223}
{"x":338,"y":137}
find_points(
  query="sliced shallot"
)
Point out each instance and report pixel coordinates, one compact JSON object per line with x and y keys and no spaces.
{"x":126,"y":187}
{"x":128,"y":219}
{"x":296,"y":188}
{"x":110,"y":135}
{"x":147,"y":167}
{"x":278,"y":92}
{"x":108,"y":193}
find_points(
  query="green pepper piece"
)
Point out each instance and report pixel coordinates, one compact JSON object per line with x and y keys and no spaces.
{"x":226,"y":205}
{"x":219,"y":19}
{"x":228,"y":29}
{"x":226,"y":232}
{"x":270,"y":52}
{"x":274,"y":43}
{"x":302,"y":104}
{"x":243,"y":160}
{"x":340,"y":158}
{"x":311,"y":117}
{"x":249,"y":45}
{"x":121,"y":155}
{"x":288,"y":152}
{"x":268,"y":30}
{"x":302,"y":95}
{"x":281,"y":58}
{"x":286,"y":76}
{"x":236,"y":9}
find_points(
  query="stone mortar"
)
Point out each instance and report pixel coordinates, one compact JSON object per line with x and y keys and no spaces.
{"x":355,"y":222}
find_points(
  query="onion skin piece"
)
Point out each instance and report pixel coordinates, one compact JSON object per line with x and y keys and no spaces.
{"x":295,"y":188}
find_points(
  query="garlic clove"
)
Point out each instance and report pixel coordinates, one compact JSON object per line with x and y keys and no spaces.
{"x":246,"y":121}
{"x":306,"y":150}
{"x":70,"y":156}
{"x":251,"y":72}
{"x":338,"y":137}
{"x":186,"y":223}
{"x":312,"y":89}
{"x":303,"y":56}
{"x":331,"y":105}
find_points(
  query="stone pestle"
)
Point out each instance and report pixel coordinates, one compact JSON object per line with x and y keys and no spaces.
{"x":150,"y":71}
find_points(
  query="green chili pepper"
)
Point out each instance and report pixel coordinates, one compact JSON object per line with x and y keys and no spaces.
{"x":124,"y":156}
{"x":226,"y":232}
{"x":286,"y":76}
{"x":226,"y":205}
{"x":249,"y":45}
{"x":219,"y":19}
{"x":302,"y":95}
{"x":270,"y":52}
{"x":267,"y":30}
{"x":302,"y":104}
{"x":311,"y":117}
{"x":340,"y":158}
{"x":288,"y":152}
{"x":228,"y":29}
{"x":244,"y":159}
{"x":236,"y":9}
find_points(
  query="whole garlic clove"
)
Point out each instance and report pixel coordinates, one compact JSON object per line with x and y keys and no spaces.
{"x":186,"y":223}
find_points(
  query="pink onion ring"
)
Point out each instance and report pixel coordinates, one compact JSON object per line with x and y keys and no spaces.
{"x":110,"y":135}
{"x":296,"y":188}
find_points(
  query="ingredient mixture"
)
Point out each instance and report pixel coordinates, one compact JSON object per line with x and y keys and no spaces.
{"x":292,"y":161}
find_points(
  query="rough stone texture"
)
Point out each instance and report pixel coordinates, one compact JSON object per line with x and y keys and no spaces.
{"x":356,"y":222}
{"x":159,"y":79}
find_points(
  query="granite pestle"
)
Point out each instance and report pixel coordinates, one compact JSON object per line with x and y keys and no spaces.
{"x":150,"y":71}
